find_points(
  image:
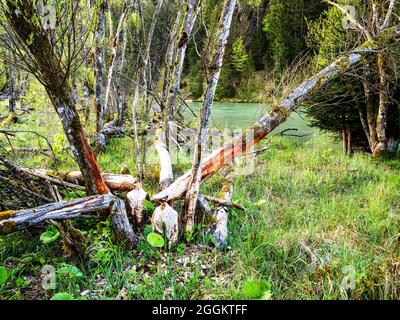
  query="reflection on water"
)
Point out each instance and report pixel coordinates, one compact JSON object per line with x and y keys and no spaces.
{"x":243,"y":115}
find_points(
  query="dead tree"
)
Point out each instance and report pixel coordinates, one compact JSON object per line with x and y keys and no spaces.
{"x":170,"y":53}
{"x":11,"y":221}
{"x":114,"y":49}
{"x":38,"y":52}
{"x":212,"y":82}
{"x":121,"y":103}
{"x":193,"y":9}
{"x":175,"y":56}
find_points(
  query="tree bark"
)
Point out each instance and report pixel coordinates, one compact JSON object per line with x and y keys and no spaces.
{"x":99,"y":65}
{"x":381,"y":121}
{"x":194,"y":7}
{"x":12,"y":101}
{"x":114,"y":49}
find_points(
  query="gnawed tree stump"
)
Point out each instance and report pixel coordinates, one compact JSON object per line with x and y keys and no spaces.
{"x":165,"y":218}
{"x":11,"y":221}
{"x":220,"y":230}
{"x":135,"y":203}
{"x":166,"y":174}
{"x":165,"y":221}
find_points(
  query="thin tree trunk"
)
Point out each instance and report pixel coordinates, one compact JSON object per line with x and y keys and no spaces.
{"x":114,"y":49}
{"x":344,"y":140}
{"x":99,"y":65}
{"x":121,"y":105}
{"x":12,"y":104}
{"x":212,"y":82}
{"x":381,"y":121}
{"x":349,"y":150}
{"x":194,"y":7}
{"x":370,"y":107}
{"x":170,"y":54}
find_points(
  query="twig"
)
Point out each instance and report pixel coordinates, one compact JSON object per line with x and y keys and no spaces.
{"x":225,"y":203}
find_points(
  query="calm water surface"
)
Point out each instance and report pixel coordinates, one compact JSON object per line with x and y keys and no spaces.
{"x":243,"y":115}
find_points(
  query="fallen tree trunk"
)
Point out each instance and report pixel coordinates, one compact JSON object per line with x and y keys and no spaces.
{"x":74,"y":179}
{"x":279,"y":114}
{"x":11,"y":221}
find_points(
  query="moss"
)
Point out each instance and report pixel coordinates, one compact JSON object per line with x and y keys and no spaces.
{"x":7,"y":227}
{"x":281,"y":112}
{"x":7,"y":214}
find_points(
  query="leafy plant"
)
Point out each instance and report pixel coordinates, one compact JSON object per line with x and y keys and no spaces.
{"x":155,"y":240}
{"x":62,"y":296}
{"x":50,"y":235}
{"x":253,"y":289}
{"x":22,"y":282}
{"x":4,"y":275}
{"x":69,"y":271}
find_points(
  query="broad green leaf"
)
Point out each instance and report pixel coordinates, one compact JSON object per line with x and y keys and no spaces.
{"x":62,"y":296}
{"x":49,"y":236}
{"x":69,"y":270}
{"x":3,"y":275}
{"x":253,"y":289}
{"x":155,"y":240}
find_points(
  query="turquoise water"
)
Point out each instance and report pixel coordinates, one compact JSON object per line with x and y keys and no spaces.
{"x":243,"y":115}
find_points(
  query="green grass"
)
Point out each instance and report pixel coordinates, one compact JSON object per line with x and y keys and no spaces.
{"x":326,"y":217}
{"x":328,"y":228}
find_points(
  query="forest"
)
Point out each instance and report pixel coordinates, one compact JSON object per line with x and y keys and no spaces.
{"x":199,"y":150}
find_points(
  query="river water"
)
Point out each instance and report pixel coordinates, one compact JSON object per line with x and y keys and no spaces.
{"x":243,"y":115}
